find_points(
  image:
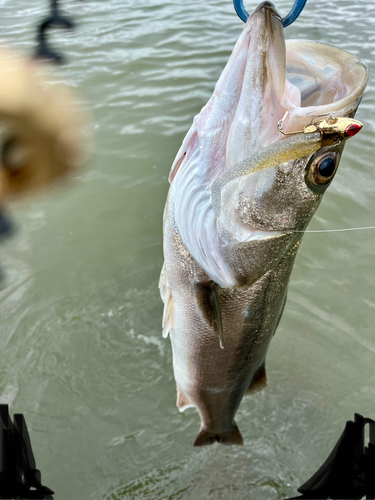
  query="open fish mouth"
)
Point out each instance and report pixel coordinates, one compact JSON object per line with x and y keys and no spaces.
{"x":330,"y":80}
{"x":303,"y":78}
{"x":265,"y":80}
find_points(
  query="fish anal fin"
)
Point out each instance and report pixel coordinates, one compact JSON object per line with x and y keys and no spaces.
{"x":182,"y":402}
{"x":206,"y":437}
{"x":259,"y":381}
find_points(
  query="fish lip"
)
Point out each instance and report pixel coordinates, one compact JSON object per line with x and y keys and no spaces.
{"x":269,"y":6}
{"x":349,"y":102}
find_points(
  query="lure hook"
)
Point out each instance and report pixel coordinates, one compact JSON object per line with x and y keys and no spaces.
{"x":287,"y":20}
{"x":335,"y":129}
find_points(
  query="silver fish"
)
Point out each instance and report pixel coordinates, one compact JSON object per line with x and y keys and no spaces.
{"x":242,"y":193}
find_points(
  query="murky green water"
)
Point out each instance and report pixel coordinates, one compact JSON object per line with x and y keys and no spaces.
{"x":80,"y":328}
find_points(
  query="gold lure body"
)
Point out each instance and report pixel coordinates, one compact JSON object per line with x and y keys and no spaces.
{"x":333,"y":130}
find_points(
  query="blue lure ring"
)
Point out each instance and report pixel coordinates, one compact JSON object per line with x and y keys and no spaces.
{"x":287,"y":20}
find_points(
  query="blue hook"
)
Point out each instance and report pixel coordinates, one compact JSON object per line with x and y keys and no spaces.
{"x":287,"y":20}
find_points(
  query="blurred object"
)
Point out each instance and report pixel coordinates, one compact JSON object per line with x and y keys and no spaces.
{"x":45,"y":132}
{"x":349,"y":471}
{"x":54,"y":20}
{"x":19,"y":477}
{"x":6,"y":227}
{"x":57,"y":19}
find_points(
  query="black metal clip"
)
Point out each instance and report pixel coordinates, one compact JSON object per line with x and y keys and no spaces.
{"x":19,"y":477}
{"x":54,"y":20}
{"x":349,"y":471}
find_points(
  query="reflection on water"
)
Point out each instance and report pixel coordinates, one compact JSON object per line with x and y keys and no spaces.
{"x":80,"y":329}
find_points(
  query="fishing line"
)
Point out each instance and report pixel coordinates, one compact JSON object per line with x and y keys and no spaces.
{"x":335,"y":230}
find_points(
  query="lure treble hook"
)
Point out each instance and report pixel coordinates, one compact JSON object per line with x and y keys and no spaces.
{"x":287,"y":20}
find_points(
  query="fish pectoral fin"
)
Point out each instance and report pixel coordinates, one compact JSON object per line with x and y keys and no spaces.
{"x":259,"y":381}
{"x":168,"y":314}
{"x":209,"y":303}
{"x":206,"y":437}
{"x":166,"y":295}
{"x":182,"y":402}
{"x":163,"y":283}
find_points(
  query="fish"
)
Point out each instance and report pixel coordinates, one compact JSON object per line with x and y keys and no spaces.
{"x":247,"y":179}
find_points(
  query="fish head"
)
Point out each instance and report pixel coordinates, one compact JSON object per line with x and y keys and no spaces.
{"x":271,"y":187}
{"x":265,"y":213}
{"x":239,"y":184}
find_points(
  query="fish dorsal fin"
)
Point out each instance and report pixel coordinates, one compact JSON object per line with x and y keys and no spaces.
{"x":259,"y":381}
{"x":182,"y":402}
{"x":166,"y":295}
{"x":209,"y":302}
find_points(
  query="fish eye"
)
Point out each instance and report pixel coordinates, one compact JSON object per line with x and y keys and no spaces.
{"x":321,"y":169}
{"x":326,"y":168}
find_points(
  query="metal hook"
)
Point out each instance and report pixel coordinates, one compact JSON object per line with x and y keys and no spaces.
{"x":54,"y":20}
{"x":287,"y":20}
{"x":334,"y":129}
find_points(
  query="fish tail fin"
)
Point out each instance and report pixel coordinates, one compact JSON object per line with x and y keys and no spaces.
{"x":206,"y":437}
